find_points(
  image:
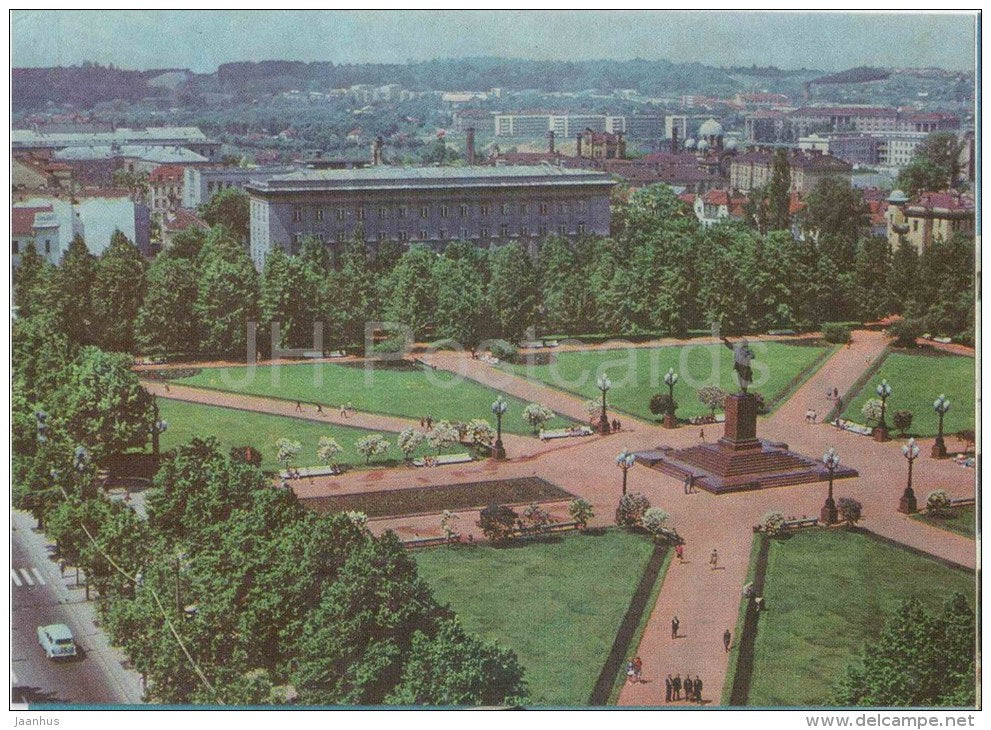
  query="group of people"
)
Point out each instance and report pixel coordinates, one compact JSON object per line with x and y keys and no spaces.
{"x":427,"y":423}
{"x":673,"y":687}
{"x":811,"y":416}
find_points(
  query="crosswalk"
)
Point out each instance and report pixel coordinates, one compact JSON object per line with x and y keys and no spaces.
{"x":26,"y":577}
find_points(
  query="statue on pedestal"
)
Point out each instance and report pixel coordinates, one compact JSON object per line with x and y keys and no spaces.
{"x":742,"y":357}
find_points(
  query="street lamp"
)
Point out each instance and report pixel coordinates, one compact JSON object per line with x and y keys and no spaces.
{"x":670,"y":378}
{"x":624,"y":461}
{"x":828,"y":514}
{"x":499,"y":408}
{"x":157,"y":429}
{"x":942,"y":406}
{"x":881,"y":431}
{"x":907,"y":504}
{"x":604,"y":384}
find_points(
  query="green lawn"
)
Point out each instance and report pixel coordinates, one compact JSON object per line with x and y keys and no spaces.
{"x":827,"y":593}
{"x":915,"y":382}
{"x":260,"y":430}
{"x":960,"y":520}
{"x":637,"y":373}
{"x":409,"y":393}
{"x":557,"y":604}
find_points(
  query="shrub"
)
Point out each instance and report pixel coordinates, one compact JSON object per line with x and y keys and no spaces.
{"x":442,"y":436}
{"x":536,"y":518}
{"x":902,"y":420}
{"x":836,"y":334}
{"x":288,"y":451}
{"x":537,"y":415}
{"x":247,"y":455}
{"x":662,"y":403}
{"x":631,"y":509}
{"x":498,"y":522}
{"x":937,"y":503}
{"x":480,"y":433}
{"x":906,"y":332}
{"x":581,"y":512}
{"x":654,"y":519}
{"x":871,"y":411}
{"x":502,"y":350}
{"x":409,"y":441}
{"x":328,"y":450}
{"x":850,"y":510}
{"x":713,"y":397}
{"x":773,"y":523}
{"x":371,"y":445}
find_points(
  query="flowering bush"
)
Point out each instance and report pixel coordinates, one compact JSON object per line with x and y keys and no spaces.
{"x":447,"y":521}
{"x":480,"y":433}
{"x":712,"y":397}
{"x":631,"y":509}
{"x":773,"y":523}
{"x":937,"y":502}
{"x":408,"y":441}
{"x":537,"y":415}
{"x":442,"y":435}
{"x":653,"y":520}
{"x":372,"y":445}
{"x":581,"y":512}
{"x":872,"y":411}
{"x":288,"y":451}
{"x":850,"y":510}
{"x":328,"y":450}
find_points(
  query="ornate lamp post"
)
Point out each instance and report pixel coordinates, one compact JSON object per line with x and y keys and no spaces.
{"x":881,"y":430}
{"x":604,"y":384}
{"x":499,"y":408}
{"x":942,"y":406}
{"x":828,"y":514}
{"x":624,"y":461}
{"x":670,"y":378}
{"x":907,"y":503}
{"x":157,"y":429}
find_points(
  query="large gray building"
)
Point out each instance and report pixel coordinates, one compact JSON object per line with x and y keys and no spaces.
{"x":201,"y":184}
{"x":429,"y":205}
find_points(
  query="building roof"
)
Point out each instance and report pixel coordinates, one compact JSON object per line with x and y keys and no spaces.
{"x":147,"y":153}
{"x":166,"y":173}
{"x":383,"y":177}
{"x":844,"y":111}
{"x":815,"y":161}
{"x":151,"y":135}
{"x":937,"y":204}
{"x":22,"y":218}
{"x":724,"y":197}
{"x":180,"y":220}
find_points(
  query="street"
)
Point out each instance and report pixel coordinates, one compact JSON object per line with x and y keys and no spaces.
{"x":40,"y":596}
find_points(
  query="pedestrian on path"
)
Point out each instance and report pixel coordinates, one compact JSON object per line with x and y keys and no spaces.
{"x":697,"y":689}
{"x":668,"y":688}
{"x":815,"y":415}
{"x":688,"y":483}
{"x":702,"y":434}
{"x":630,"y":672}
{"x":637,"y":669}
{"x":674,"y":627}
{"x":167,"y":387}
{"x":676,"y":686}
{"x":714,"y":559}
{"x":319,"y":408}
{"x":299,"y":407}
{"x":679,"y":551}
{"x":727,"y":639}
{"x":344,"y":411}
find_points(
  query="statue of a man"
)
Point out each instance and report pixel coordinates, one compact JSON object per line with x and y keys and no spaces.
{"x":742,"y":357}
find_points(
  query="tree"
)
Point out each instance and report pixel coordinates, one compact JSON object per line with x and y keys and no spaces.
{"x":119,"y":288}
{"x":902,"y":420}
{"x":712,"y":397}
{"x":456,"y":668}
{"x":288,"y":450}
{"x":631,"y":509}
{"x":850,"y":510}
{"x":653,"y":520}
{"x":935,"y":164}
{"x":835,"y":211}
{"x":480,"y":433}
{"x":769,"y":206}
{"x":919,"y":660}
{"x":443,"y":435}
{"x":871,"y":411}
{"x":102,"y":405}
{"x":28,"y":279}
{"x":937,"y":502}
{"x":566,"y":299}
{"x":291,"y":297}
{"x":460,"y":278}
{"x":872,"y":271}
{"x":661,"y":403}
{"x":328,"y":450}
{"x":512,"y":294}
{"x":498,"y":522}
{"x":580,"y":510}
{"x":69,"y":293}
{"x":413,"y":298}
{"x":372,"y":445}
{"x":905,"y":332}
{"x":229,"y":208}
{"x":408,"y":441}
{"x":186,"y":244}
{"x":167,"y":322}
{"x":40,"y":353}
{"x":352,"y":292}
{"x":905,"y":277}
{"x":228,"y":296}
{"x":537,"y":415}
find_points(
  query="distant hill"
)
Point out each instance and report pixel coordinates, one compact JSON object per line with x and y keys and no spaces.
{"x":859,"y":75}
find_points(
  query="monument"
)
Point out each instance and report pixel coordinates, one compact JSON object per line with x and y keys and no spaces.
{"x":740,"y":460}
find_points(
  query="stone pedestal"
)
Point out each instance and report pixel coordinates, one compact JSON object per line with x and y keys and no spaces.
{"x":498,"y":450}
{"x":829,"y":515}
{"x":603,"y":426}
{"x":740,"y":430}
{"x":908,"y":504}
{"x":670,"y":421}
{"x":939,"y":448}
{"x":881,"y":434}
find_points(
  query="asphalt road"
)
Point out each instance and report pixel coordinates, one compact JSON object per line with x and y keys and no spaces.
{"x":40,"y":596}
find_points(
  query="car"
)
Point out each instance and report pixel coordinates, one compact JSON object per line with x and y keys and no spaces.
{"x":57,"y":641}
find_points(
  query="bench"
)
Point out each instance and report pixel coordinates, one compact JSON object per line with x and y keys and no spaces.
{"x":550,"y":343}
{"x":781,"y":332}
{"x":421,"y":542}
{"x":312,"y":471}
{"x":853,"y":427}
{"x":963,"y":502}
{"x":799,"y":524}
{"x":337,"y":353}
{"x":532,"y":344}
{"x":563,"y":433}
{"x":443,"y":460}
{"x":548,"y":529}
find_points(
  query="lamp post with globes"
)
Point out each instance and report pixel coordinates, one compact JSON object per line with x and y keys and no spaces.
{"x":883,"y":391}
{"x":624,"y":461}
{"x":942,"y":406}
{"x":907,"y":503}
{"x":670,"y":378}
{"x":604,"y":384}
{"x":828,"y":514}
{"x":157,"y":428}
{"x":499,"y":408}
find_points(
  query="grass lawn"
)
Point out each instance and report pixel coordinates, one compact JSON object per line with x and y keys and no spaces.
{"x":960,"y":520}
{"x":261,"y":430}
{"x":915,"y":382}
{"x":638,"y":373}
{"x":411,"y":392}
{"x":557,"y":604}
{"x":828,"y":592}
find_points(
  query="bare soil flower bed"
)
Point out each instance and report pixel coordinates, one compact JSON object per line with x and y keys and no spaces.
{"x":426,"y":500}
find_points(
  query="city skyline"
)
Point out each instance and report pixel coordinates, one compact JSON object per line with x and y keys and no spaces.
{"x":176,"y":39}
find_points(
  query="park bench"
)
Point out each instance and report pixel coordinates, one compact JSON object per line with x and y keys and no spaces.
{"x":548,"y":529}
{"x":550,"y":343}
{"x":532,"y":344}
{"x":421,"y":542}
{"x":443,"y":460}
{"x":337,"y":353}
{"x":563,"y":433}
{"x":799,"y":524}
{"x":963,"y":502}
{"x":312,"y":471}
{"x":781,"y":332}
{"x":853,"y":427}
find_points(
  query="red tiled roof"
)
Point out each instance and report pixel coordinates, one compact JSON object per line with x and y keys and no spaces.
{"x":836,"y":111}
{"x":22,"y":219}
{"x":943,"y":201}
{"x":180,"y":220}
{"x":166,"y":173}
{"x":723,"y":197}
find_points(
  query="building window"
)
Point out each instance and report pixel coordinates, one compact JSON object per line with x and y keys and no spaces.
{"x":581,"y":229}
{"x":542,"y":231}
{"x":383,"y":236}
{"x":443,"y":211}
{"x":524,"y":231}
{"x":383,"y":213}
{"x":403,"y":235}
{"x":340,"y":214}
{"x":483,"y":232}
{"x":915,"y":226}
{"x":464,"y":234}
{"x":402,"y":211}
{"x":484,"y":209}
{"x":319,"y":215}
{"x":424,"y":211}
{"x":442,"y":234}
{"x":341,"y":237}
{"x":503,"y":231}
{"x":48,"y":245}
{"x":361,"y":214}
{"x":543,"y":209}
{"x":297,"y":214}
{"x":523,"y":208}
{"x":504,"y":208}
{"x":423,"y":235}
{"x":562,"y":230}
{"x":464,"y":210}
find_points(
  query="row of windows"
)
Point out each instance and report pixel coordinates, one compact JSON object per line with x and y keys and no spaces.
{"x":15,"y":246}
{"x":442,"y":234}
{"x":402,"y":211}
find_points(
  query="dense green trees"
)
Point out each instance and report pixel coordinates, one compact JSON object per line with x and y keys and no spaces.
{"x":935,"y":164}
{"x":228,"y":297}
{"x":229,"y":208}
{"x":167,"y":323}
{"x":118,"y":290}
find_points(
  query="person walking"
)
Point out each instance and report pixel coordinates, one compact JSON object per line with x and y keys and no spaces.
{"x":697,"y":689}
{"x":676,"y":686}
{"x":167,"y":390}
{"x":727,"y":640}
{"x":299,"y":407}
{"x":679,"y":551}
{"x":344,"y":411}
{"x":630,"y":673}
{"x":319,"y":408}
{"x":637,"y":669}
{"x":674,"y":627}
{"x":668,"y":688}
{"x":702,"y":435}
{"x":688,"y":483}
{"x":714,"y":560}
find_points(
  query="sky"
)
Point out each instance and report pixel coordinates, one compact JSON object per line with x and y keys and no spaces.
{"x":203,"y":39}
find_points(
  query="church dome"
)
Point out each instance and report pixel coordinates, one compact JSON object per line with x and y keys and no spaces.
{"x":730,"y":144}
{"x":711,"y":128}
{"x":703,"y":145}
{"x":897,"y":197}
{"x":690,"y":143}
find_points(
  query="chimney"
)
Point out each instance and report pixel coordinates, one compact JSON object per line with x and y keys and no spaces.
{"x":620,"y":146}
{"x":550,"y":141}
{"x":377,"y":151}
{"x":470,"y":146}
{"x":674,"y":139}
{"x":578,"y":149}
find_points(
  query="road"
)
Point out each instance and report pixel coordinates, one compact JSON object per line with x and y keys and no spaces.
{"x":39,"y":595}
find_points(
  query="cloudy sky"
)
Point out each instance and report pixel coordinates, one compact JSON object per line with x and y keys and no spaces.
{"x":201,"y":40}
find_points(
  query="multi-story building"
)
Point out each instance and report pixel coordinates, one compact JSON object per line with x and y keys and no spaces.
{"x":165,"y":189}
{"x":774,"y":126}
{"x":927,"y":217}
{"x":895,"y":149}
{"x":754,"y":168}
{"x":481,"y":121}
{"x":430,"y":205}
{"x":564,"y":125}
{"x":676,"y":127}
{"x":717,"y":206}
{"x":28,"y":141}
{"x":645,"y":127}
{"x":202,"y":183}
{"x":103,"y":216}
{"x":97,"y":165}
{"x":854,"y":147}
